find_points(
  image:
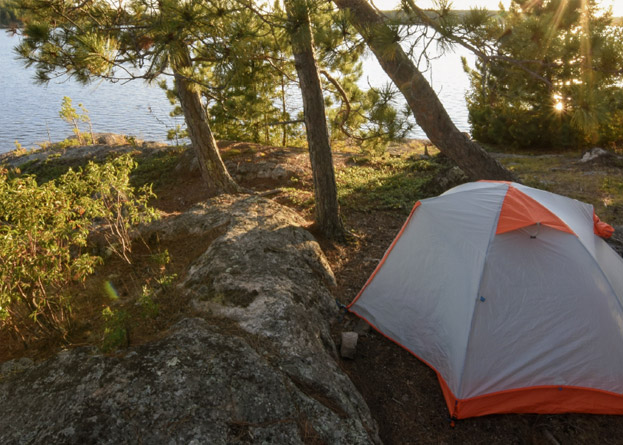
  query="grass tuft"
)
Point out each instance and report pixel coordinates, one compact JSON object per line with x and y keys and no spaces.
{"x":388,"y":183}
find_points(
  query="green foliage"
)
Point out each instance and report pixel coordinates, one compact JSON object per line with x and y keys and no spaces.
{"x":387,"y":183}
{"x":155,"y":168}
{"x":19,"y":149}
{"x":367,"y":117}
{"x":612,"y":186}
{"x":119,"y":207}
{"x":385,"y":123}
{"x":166,"y":280}
{"x":242,"y":63}
{"x":119,"y":317}
{"x":8,"y":17}
{"x":115,"y":329}
{"x":393,"y":183}
{"x":149,"y":293}
{"x":148,"y":303}
{"x":68,"y":143}
{"x":44,"y":231}
{"x":177,"y":133}
{"x":70,"y":115}
{"x":552,"y":77}
{"x":298,"y":197}
{"x":161,"y":258}
{"x":49,"y":169}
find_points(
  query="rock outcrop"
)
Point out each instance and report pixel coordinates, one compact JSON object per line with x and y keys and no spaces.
{"x":258,"y":364}
{"x":274,"y":168}
{"x":599,"y":156}
{"x":107,"y":144}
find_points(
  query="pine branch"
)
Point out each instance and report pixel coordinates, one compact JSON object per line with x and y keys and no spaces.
{"x":421,"y":15}
{"x":345,"y":101}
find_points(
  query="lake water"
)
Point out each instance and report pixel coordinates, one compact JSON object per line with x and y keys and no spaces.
{"x":30,"y":113}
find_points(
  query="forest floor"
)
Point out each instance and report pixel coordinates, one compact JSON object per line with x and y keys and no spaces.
{"x":403,"y":393}
{"x":376,"y":196}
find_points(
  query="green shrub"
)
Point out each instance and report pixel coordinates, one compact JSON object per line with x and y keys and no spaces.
{"x":44,"y":231}
{"x":70,"y":115}
{"x":115,"y":329}
{"x":19,"y":150}
{"x":147,"y":300}
{"x":113,"y":204}
{"x":392,"y":183}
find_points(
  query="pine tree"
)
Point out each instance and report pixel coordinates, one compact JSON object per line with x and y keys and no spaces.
{"x":250,"y":103}
{"x":563,"y":87}
{"x":138,"y":41}
{"x":382,"y":38}
{"x":327,"y":214}
{"x":7,"y":14}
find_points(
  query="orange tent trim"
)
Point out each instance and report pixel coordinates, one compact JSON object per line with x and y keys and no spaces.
{"x":536,"y":399}
{"x":519,"y":211}
{"x":541,"y":400}
{"x":404,"y":226}
{"x":601,"y":228}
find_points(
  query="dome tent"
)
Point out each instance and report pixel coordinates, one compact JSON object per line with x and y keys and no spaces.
{"x":508,"y":294}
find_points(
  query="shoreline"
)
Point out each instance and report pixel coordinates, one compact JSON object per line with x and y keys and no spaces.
{"x":112,"y":140}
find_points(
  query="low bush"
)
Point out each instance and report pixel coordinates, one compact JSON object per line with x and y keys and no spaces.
{"x":44,"y":234}
{"x":391,"y":183}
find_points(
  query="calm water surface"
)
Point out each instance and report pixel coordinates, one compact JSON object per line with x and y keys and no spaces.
{"x":30,"y":113}
{"x":31,"y":110}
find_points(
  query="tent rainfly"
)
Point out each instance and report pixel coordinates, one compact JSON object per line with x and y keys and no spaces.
{"x":509,"y":294}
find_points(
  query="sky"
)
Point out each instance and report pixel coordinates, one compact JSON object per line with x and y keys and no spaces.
{"x":617,"y":5}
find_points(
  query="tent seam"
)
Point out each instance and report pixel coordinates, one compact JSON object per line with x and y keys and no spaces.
{"x":564,"y":220}
{"x":475,"y":301}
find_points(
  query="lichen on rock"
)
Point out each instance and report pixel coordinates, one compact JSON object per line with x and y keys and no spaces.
{"x":258,"y":366}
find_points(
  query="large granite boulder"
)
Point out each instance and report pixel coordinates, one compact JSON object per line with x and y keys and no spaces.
{"x":257,"y":364}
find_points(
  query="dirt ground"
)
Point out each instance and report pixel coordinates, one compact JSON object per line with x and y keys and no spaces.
{"x":403,"y":394}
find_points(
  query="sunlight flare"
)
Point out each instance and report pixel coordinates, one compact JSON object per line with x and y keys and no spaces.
{"x":559,"y":105}
{"x":554,"y":25}
{"x":585,"y":47}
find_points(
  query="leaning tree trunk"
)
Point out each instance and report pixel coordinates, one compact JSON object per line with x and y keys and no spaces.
{"x":327,"y":212}
{"x":422,"y":99}
{"x":213,"y":170}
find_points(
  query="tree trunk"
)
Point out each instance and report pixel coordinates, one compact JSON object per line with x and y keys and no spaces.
{"x":213,"y":170}
{"x":327,"y":211}
{"x":428,"y":111}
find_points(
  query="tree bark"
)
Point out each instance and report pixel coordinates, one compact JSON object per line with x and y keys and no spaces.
{"x":327,"y":211}
{"x":428,"y":111}
{"x":213,"y":170}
